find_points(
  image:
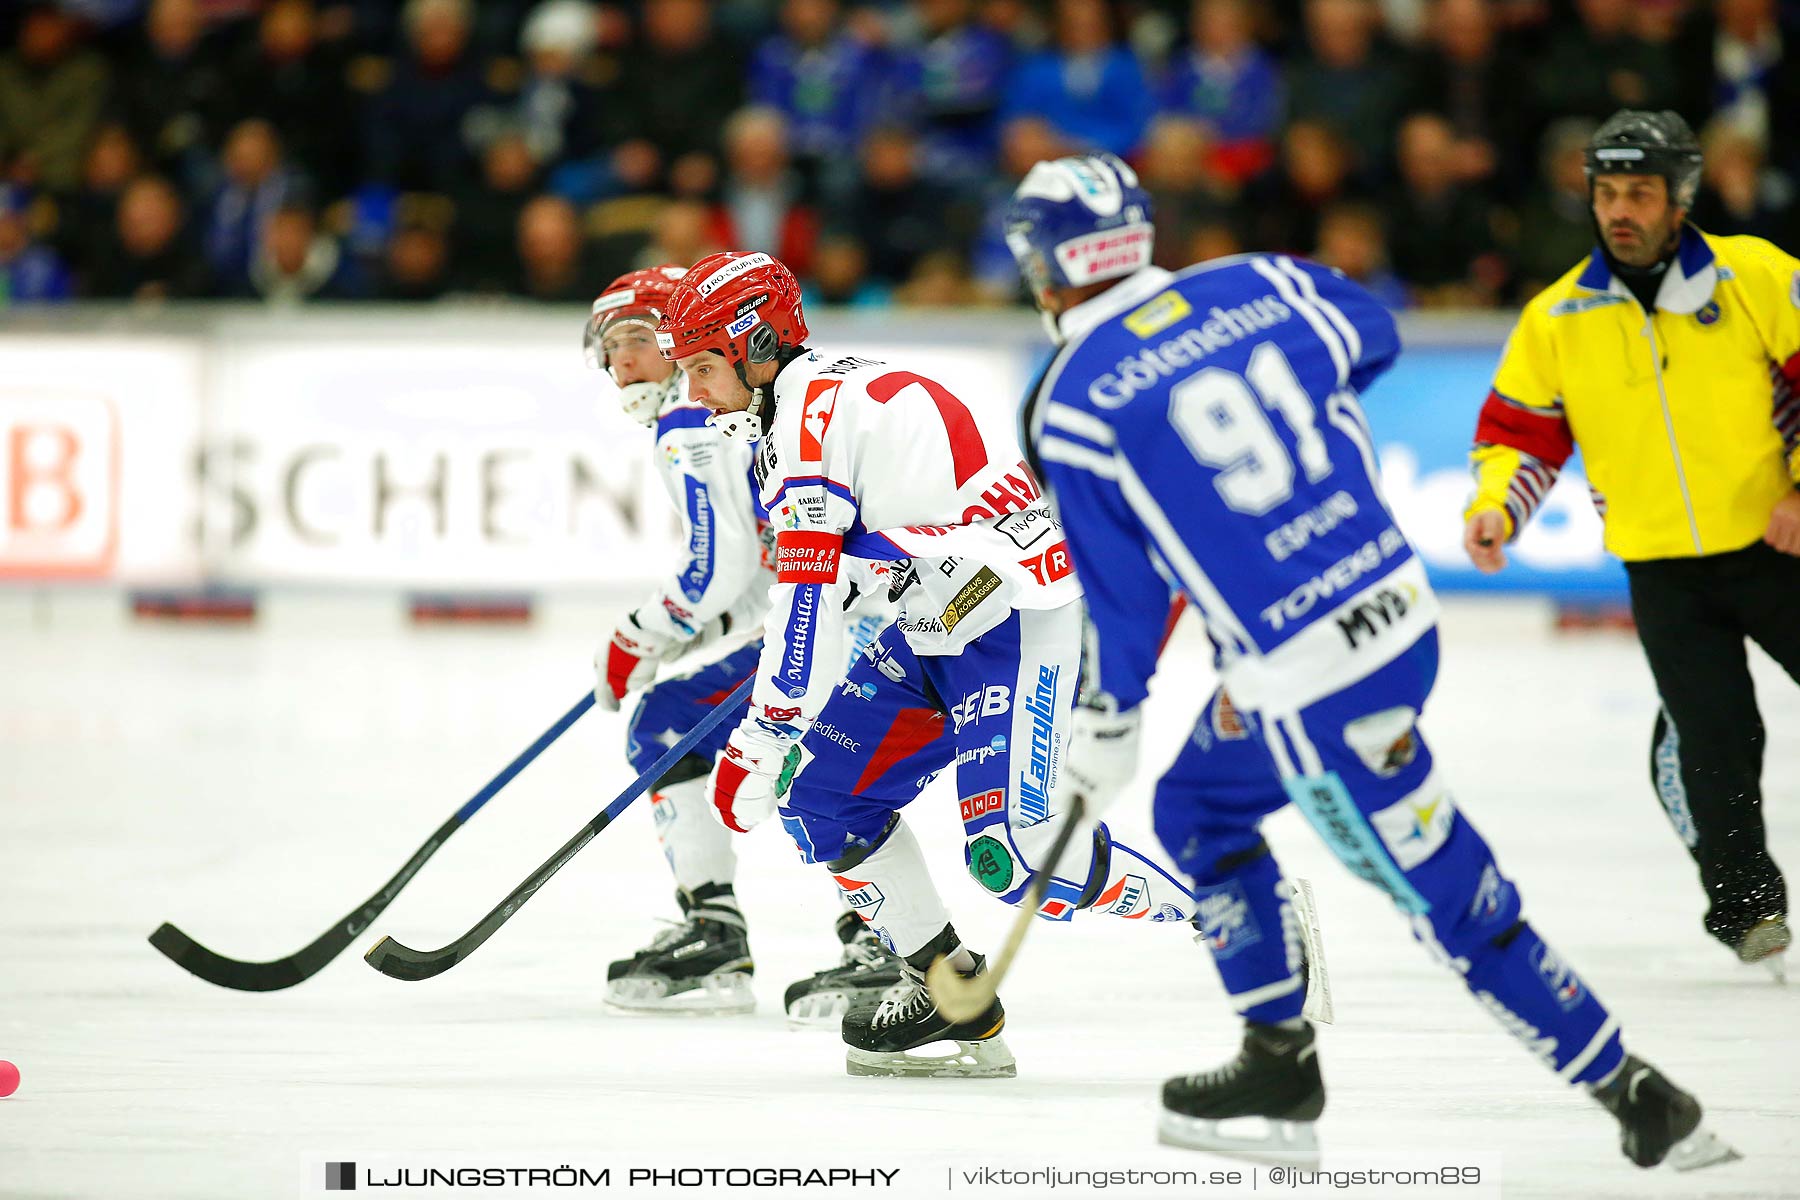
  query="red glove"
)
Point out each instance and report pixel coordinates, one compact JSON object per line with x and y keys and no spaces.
{"x":751,"y":775}
{"x":628,"y":662}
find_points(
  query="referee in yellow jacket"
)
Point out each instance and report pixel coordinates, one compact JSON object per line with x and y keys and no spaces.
{"x":1672,"y":359}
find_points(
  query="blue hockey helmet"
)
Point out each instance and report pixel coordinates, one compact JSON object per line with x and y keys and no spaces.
{"x":1079,"y":220}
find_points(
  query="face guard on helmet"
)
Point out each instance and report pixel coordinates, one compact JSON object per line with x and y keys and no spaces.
{"x":1077,"y":221}
{"x":1635,"y":142}
{"x":633,"y":303}
{"x":743,"y":307}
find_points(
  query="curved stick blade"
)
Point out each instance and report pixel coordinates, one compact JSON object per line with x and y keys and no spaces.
{"x":232,"y":973}
{"x":399,"y":961}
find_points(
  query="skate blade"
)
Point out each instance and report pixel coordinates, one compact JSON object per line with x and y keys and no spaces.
{"x":1317,"y":1005}
{"x":1258,"y":1139}
{"x":821,"y":1010}
{"x":986,"y":1059}
{"x":1766,"y":946}
{"x":1701,"y":1148}
{"x":720,"y":995}
{"x":825,"y":1010}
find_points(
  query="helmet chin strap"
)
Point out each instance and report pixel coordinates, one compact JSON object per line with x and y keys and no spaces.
{"x":643,"y":401}
{"x":744,"y":424}
{"x":750,"y":422}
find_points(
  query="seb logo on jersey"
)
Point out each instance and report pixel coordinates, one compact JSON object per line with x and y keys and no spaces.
{"x":815,"y":417}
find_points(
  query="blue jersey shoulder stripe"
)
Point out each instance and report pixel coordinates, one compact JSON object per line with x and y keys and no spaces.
{"x":685,"y":416}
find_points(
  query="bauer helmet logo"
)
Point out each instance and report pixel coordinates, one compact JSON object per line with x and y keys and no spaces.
{"x":731,"y":271}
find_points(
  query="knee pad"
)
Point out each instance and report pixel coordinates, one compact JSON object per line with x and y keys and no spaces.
{"x":688,"y":766}
{"x":1003,"y":860}
{"x":855,"y":854}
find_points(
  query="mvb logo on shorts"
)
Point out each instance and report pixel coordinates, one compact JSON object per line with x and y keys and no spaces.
{"x":340,"y":1177}
{"x":59,"y":484}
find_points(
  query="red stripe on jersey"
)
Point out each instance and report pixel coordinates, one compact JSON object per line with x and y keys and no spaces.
{"x":913,"y":730}
{"x":968,"y":453}
{"x":719,"y":697}
{"x":1543,"y":435}
{"x":1790,"y":371}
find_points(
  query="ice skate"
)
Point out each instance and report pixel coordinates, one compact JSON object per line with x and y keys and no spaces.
{"x":701,"y":966}
{"x":1767,"y":943}
{"x":881,"y":1036}
{"x":867,"y":971}
{"x":1261,"y":1105}
{"x":1658,"y":1121}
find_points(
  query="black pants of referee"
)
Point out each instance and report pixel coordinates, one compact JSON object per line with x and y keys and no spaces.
{"x":1693,"y":616}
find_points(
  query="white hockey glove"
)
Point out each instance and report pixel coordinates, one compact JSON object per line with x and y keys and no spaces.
{"x":1102,"y":754}
{"x":751,"y":775}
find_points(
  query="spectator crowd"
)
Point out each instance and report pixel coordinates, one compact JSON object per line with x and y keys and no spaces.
{"x":291,"y":150}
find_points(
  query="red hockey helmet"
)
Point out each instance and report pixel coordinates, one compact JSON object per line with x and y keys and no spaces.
{"x":634,"y":298}
{"x":744,"y":306}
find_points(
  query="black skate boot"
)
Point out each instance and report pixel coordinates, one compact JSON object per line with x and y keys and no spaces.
{"x":1657,"y":1120}
{"x":1766,"y":942}
{"x":1274,"y":1080}
{"x":701,"y":966}
{"x":618,"y":968}
{"x":820,"y":1001}
{"x":879,"y":1035}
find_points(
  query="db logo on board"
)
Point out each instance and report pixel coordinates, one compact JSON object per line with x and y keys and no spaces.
{"x":59,"y":483}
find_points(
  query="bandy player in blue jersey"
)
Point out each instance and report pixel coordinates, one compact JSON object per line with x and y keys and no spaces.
{"x":1201,"y":432}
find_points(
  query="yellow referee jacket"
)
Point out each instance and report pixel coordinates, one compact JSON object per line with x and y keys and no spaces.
{"x":1688,"y":418}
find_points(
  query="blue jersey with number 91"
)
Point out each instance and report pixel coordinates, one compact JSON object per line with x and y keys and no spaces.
{"x":1201,"y":432}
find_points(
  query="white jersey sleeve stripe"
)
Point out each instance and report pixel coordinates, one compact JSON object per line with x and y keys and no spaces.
{"x":1074,"y":454}
{"x":1086,"y":425}
{"x":1333,"y":344}
{"x":1310,"y":287}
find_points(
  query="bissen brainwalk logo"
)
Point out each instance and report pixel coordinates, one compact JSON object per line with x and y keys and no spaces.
{"x":340,"y":1177}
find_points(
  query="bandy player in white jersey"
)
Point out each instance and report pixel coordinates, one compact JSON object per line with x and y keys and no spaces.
{"x":719,"y":588}
{"x":866,"y":460}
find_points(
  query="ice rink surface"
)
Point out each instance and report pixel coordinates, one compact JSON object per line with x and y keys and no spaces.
{"x":251,"y":785}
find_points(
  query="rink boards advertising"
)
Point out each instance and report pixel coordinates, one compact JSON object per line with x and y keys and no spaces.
{"x":405,"y":451}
